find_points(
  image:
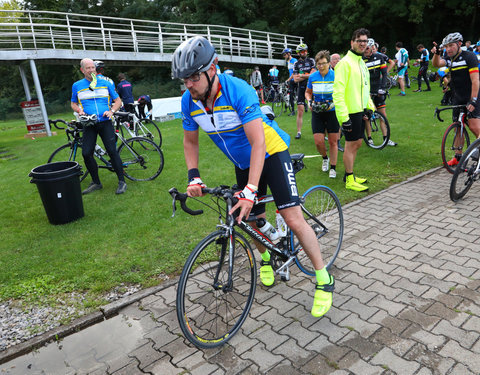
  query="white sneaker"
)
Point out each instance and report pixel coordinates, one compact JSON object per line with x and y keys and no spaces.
{"x":332,"y":173}
{"x":391,"y":143}
{"x":325,"y":165}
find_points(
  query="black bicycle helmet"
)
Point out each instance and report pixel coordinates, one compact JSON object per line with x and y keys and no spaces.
{"x":99,"y":64}
{"x":452,"y":38}
{"x":192,"y":56}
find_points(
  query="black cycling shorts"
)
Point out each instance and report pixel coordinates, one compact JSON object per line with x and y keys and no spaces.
{"x":301,"y":93}
{"x":379,"y":101}
{"x":278,"y":175}
{"x":322,"y":121}
{"x":358,"y":127}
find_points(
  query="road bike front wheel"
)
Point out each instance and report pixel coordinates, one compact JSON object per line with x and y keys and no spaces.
{"x":377,"y":131}
{"x":148,"y":129}
{"x":142,"y":159}
{"x":68,"y":152}
{"x":454,"y":142}
{"x":466,"y":172}
{"x":211,"y":307}
{"x":323,"y":212}
{"x":278,"y":106}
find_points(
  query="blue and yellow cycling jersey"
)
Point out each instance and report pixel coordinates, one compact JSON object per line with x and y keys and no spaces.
{"x":95,"y":101}
{"x":236,"y":104}
{"x":321,"y":86}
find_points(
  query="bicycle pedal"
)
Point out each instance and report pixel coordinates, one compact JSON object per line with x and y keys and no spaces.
{"x":285,"y":275}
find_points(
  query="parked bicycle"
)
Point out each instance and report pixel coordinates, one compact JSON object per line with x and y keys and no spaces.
{"x":142,"y":158}
{"x":466,"y":172}
{"x":131,"y":126}
{"x":280,"y":100}
{"x":377,"y":128}
{"x":456,"y":137}
{"x":217,"y":284}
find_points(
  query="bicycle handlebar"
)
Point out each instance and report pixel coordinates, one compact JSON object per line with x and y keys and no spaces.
{"x":437,"y":110}
{"x":54,"y":123}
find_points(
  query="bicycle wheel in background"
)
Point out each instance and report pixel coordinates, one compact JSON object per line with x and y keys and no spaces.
{"x":148,"y":129}
{"x":376,"y":128}
{"x":323,"y":212}
{"x":69,"y":152}
{"x":451,"y":142}
{"x":142,"y":159}
{"x":209,"y":309}
{"x":466,"y":172}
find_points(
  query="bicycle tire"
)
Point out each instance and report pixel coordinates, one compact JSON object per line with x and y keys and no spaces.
{"x":67,"y":152}
{"x":277,"y":105}
{"x":209,"y":315}
{"x":376,"y":134}
{"x":151,"y":131}
{"x":448,"y":144}
{"x":142,"y":159}
{"x":322,"y":203}
{"x":466,"y":172}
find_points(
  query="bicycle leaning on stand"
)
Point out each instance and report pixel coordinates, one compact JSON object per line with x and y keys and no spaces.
{"x":142,"y":158}
{"x":456,"y":137}
{"x":217,"y":285}
{"x":131,"y":126}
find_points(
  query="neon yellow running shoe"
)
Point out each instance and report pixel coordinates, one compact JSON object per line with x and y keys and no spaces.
{"x":323,"y":299}
{"x":267,"y":277}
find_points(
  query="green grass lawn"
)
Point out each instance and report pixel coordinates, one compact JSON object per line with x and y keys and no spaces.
{"x":132,"y":238}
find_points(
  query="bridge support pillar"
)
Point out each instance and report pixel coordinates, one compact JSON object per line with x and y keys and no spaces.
{"x":25,"y":83}
{"x":38,"y":89}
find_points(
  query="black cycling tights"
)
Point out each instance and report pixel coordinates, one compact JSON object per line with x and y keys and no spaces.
{"x":107,"y":133}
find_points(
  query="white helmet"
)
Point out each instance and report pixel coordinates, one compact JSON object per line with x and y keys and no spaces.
{"x":370,"y":42}
{"x":452,"y":38}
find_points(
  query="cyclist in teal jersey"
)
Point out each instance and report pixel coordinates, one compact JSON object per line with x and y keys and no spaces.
{"x":227,"y":109}
{"x":292,"y":86}
{"x":402,"y":64}
{"x":319,"y":98}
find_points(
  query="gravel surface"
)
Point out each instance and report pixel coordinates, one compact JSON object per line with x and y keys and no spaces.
{"x":19,"y":322}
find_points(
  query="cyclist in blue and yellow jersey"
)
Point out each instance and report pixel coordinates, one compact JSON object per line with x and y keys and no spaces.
{"x":464,"y":81}
{"x":100,"y":68}
{"x":402,"y":65}
{"x":227,"y":109}
{"x":301,"y":71}
{"x":292,"y":86}
{"x":92,"y":96}
{"x":377,"y":68}
{"x":351,"y":95}
{"x":422,"y":72}
{"x":319,"y":98}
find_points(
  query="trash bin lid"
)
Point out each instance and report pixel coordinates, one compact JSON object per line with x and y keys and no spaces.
{"x":56,"y":170}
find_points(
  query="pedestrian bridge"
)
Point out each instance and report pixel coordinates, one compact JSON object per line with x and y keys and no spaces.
{"x":56,"y":37}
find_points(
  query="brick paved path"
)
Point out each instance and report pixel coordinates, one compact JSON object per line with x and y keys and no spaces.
{"x":407,"y":301}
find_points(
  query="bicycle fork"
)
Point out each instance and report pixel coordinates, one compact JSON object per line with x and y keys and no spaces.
{"x":228,"y":244}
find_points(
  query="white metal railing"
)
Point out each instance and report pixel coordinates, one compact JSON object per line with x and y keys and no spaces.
{"x":39,"y":30}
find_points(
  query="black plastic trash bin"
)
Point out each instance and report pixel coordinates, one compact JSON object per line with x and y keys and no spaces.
{"x":59,"y":187}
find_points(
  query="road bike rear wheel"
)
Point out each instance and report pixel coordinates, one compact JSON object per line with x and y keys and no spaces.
{"x":323,"y":212}
{"x":68,"y":152}
{"x":378,"y":129}
{"x":278,"y":106}
{"x":466,"y":172}
{"x":142,"y":159}
{"x":148,"y":129}
{"x":209,"y":312}
{"x":452,"y":143}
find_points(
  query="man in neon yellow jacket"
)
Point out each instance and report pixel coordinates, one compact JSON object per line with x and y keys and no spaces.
{"x":351,"y":96}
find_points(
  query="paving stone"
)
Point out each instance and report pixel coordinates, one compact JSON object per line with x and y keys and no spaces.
{"x":355,"y":306}
{"x":430,"y":359}
{"x":468,"y":358}
{"x":163,"y":367}
{"x":146,"y":355}
{"x":465,"y":338}
{"x":366,"y":348}
{"x":357,"y":365}
{"x":300,"y":334}
{"x":264,"y":359}
{"x":269,"y":337}
{"x":390,"y":360}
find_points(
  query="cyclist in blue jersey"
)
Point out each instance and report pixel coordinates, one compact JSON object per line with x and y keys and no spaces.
{"x":94,"y":97}
{"x":100,"y":67}
{"x":292,"y":86}
{"x":125,"y":90}
{"x":477,"y":52}
{"x":402,"y":64}
{"x":319,"y":98}
{"x":422,"y":72}
{"x":227,"y":109}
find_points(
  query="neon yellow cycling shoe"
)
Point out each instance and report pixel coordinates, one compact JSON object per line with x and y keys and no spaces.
{"x":354,"y":185}
{"x":360,"y":180}
{"x":323,"y":299}
{"x":267,"y":277}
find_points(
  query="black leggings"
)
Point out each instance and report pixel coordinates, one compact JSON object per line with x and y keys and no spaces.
{"x":422,"y":72}
{"x":107,"y":133}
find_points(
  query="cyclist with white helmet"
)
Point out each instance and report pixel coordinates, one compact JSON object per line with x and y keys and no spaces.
{"x":227,"y":109}
{"x":292,"y":86}
{"x":100,"y":68}
{"x":464,"y":80}
{"x":301,"y":71}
